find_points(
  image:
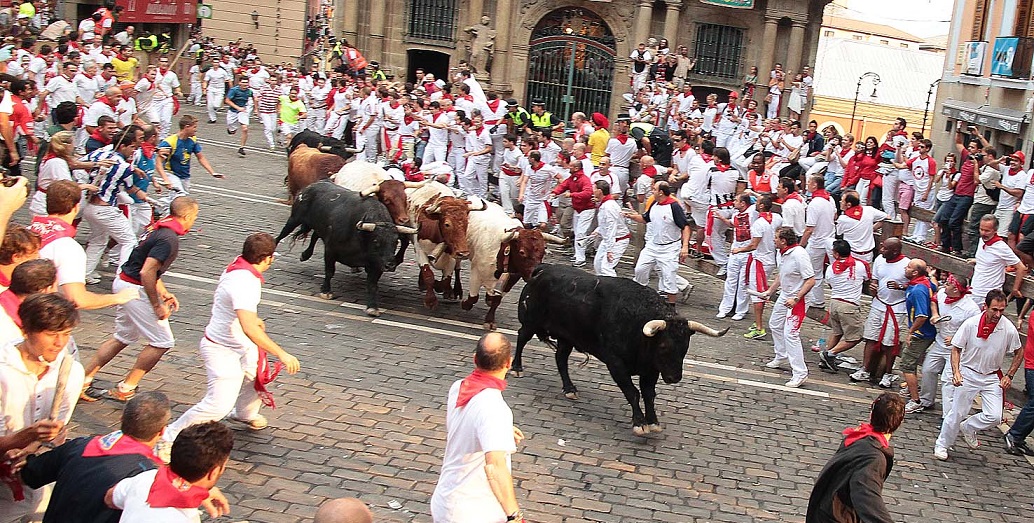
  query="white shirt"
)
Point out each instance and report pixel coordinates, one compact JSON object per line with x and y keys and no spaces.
{"x":10,"y":332}
{"x":845,"y":286}
{"x":126,"y":110}
{"x":258,"y":79}
{"x":478,"y":140}
{"x":237,"y":290}
{"x":38,"y":66}
{"x":612,"y":224}
{"x":696,"y":188}
{"x":130,"y":495}
{"x":821,"y":214}
{"x":761,"y":228}
{"x":216,"y":78}
{"x":794,"y":269}
{"x":1026,"y":205}
{"x":985,"y":356}
{"x":95,"y":111}
{"x":485,"y":424}
{"x":50,"y":171}
{"x":959,"y":311}
{"x":476,"y":91}
{"x":24,"y":399}
{"x":61,"y":89}
{"x":69,"y":258}
{"x":989,"y":272}
{"x":858,"y":233}
{"x":167,"y":83}
{"x":439,"y":137}
{"x":884,"y":273}
{"x":922,"y":170}
{"x":793,"y":215}
{"x":1019,"y":180}
{"x":87,"y":86}
{"x":620,"y":153}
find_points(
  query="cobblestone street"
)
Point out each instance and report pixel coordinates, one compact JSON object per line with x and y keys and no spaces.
{"x":365,"y":416}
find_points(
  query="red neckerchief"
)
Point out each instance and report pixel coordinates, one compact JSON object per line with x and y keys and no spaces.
{"x":722,"y":167}
{"x":847,"y":264}
{"x":96,"y":135}
{"x":963,"y":290}
{"x":1014,"y":170}
{"x":854,"y":212}
{"x":469,"y":98}
{"x":787,"y":249}
{"x":706,"y":157}
{"x":240,"y":263}
{"x":821,"y":193}
{"x":864,"y":430}
{"x":148,"y":149}
{"x":477,"y":130}
{"x":994,"y":239}
{"x":10,"y":302}
{"x":650,"y":171}
{"x":476,"y":382}
{"x":107,"y":102}
{"x":407,"y":119}
{"x":895,"y":259}
{"x":685,"y":147}
{"x":117,"y":444}
{"x":985,"y":328}
{"x":767,"y":216}
{"x":170,"y":223}
{"x":541,"y":164}
{"x":608,"y":198}
{"x":668,"y":201}
{"x":50,"y":228}
{"x":921,"y":280}
{"x":621,"y":138}
{"x":171,"y":491}
{"x":494,"y":104}
{"x":793,"y":196}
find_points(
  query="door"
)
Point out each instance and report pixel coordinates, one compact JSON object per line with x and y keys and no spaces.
{"x":571,"y":63}
{"x":434,"y":62}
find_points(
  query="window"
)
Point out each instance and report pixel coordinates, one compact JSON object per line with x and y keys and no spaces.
{"x":718,"y":49}
{"x":979,"y":20}
{"x":432,"y":19}
{"x":828,"y":33}
{"x":856,"y":37}
{"x":1024,"y":20}
{"x":884,"y":42}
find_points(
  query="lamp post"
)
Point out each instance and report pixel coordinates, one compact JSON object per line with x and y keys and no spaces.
{"x":929,"y":95}
{"x":254,"y":18}
{"x":875,"y":81}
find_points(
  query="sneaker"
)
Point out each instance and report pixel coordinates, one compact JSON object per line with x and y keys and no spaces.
{"x":970,"y":437}
{"x":940,"y":453}
{"x":93,"y":279}
{"x":860,"y":375}
{"x":116,"y":393}
{"x":721,"y":272}
{"x":684,"y":293}
{"x":914,"y":407}
{"x":828,"y":361}
{"x":755,"y":334}
{"x":241,"y":152}
{"x":721,"y":315}
{"x":579,"y":265}
{"x":887,"y":381}
{"x":91,"y":394}
{"x":846,"y":359}
{"x":259,"y":422}
{"x":163,"y":450}
{"x":1010,"y":445}
{"x":777,"y":362}
{"x":231,"y":131}
{"x":213,"y":121}
{"x":738,"y":317}
{"x":796,"y":382}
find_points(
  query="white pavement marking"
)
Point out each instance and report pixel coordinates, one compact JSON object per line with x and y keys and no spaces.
{"x":473,"y":337}
{"x":225,"y":195}
{"x":223,"y":189}
{"x":250,"y":148}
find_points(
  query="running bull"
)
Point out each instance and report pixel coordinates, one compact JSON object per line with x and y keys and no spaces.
{"x":356,"y":231}
{"x":627,"y":326}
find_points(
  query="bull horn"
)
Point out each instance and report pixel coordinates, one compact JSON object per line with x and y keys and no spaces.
{"x":369,"y":191}
{"x":417,"y":185}
{"x":510,"y":235}
{"x":353,"y":150}
{"x":484,"y":205}
{"x":652,"y":327}
{"x":406,"y":230}
{"x":553,"y":239}
{"x":436,"y":204}
{"x":324,"y":148}
{"x":704,"y":329}
{"x":365,"y":226}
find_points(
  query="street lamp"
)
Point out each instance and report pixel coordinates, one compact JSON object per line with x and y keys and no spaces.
{"x":875,"y":81}
{"x":254,"y":18}
{"x":929,"y":95}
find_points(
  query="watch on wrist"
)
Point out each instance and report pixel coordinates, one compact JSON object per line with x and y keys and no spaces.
{"x":516,"y":516}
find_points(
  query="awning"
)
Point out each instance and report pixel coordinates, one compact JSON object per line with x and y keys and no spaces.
{"x":158,"y":11}
{"x":1008,"y":120}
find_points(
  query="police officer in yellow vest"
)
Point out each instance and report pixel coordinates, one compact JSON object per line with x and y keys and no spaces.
{"x":377,"y":75}
{"x":516,"y":117}
{"x":146,"y":42}
{"x":542,"y":121}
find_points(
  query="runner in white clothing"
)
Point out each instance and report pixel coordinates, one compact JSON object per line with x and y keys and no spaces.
{"x":883,"y":326}
{"x":818,"y":234}
{"x":612,"y":231}
{"x":856,"y":223}
{"x":845,"y":277}
{"x":951,"y":301}
{"x":735,"y":291}
{"x":794,"y":279}
{"x":760,"y":261}
{"x":993,"y":257}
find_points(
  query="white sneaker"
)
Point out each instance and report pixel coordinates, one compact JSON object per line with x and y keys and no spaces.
{"x":259,"y":422}
{"x":721,"y":272}
{"x":738,"y":317}
{"x":913,"y":407}
{"x":968,"y":436}
{"x":796,"y":382}
{"x":721,"y":315}
{"x":888,"y":381}
{"x":777,"y":362}
{"x":940,"y":453}
{"x":860,"y":375}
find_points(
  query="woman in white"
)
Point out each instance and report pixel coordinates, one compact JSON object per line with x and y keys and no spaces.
{"x":795,"y":104}
{"x":775,"y":92}
{"x":54,"y":167}
{"x":944,"y":183}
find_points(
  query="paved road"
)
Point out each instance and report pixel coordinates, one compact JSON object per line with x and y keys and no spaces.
{"x":365,"y":415}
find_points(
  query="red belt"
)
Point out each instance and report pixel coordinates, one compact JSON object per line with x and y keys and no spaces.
{"x":889,"y":311}
{"x":625,"y":237}
{"x":125,"y":277}
{"x":491,"y":122}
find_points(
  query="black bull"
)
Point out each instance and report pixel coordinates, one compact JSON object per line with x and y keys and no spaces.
{"x":627,"y":326}
{"x":325,"y":144}
{"x":356,"y":231}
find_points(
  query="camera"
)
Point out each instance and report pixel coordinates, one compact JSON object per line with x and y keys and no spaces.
{"x":978,"y":157}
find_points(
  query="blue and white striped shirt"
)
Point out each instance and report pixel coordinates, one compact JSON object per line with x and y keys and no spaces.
{"x":118,"y":177}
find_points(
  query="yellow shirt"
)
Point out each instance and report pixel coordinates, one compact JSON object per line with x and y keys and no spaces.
{"x":27,"y":9}
{"x":124,"y":70}
{"x":598,"y":141}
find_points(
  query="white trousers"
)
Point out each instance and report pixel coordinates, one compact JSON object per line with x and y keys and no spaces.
{"x":509,"y":189}
{"x":497,"y":151}
{"x":786,"y":333}
{"x":161,"y":116}
{"x":140,"y":215}
{"x":269,"y":127}
{"x":336,"y":123}
{"x":215,"y":101}
{"x":231,"y":390}
{"x":719,"y":247}
{"x":107,"y":222}
{"x":368,"y":141}
{"x":666,"y":259}
{"x":436,"y":153}
{"x":818,"y":256}
{"x":582,"y":223}
{"x":621,"y":175}
{"x":457,"y":161}
{"x":988,"y":387}
{"x":604,"y":267}
{"x":735,"y":291}
{"x":316,"y":120}
{"x":195,"y":93}
{"x":937,"y":359}
{"x":863,"y":191}
{"x":474,"y":179}
{"x":890,"y":194}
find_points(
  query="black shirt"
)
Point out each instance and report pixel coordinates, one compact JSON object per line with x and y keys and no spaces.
{"x":78,"y":496}
{"x":161,"y":244}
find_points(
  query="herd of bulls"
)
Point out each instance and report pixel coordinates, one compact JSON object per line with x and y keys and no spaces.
{"x":367,"y":220}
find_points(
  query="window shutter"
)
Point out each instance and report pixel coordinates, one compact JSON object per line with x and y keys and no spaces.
{"x":979,"y":20}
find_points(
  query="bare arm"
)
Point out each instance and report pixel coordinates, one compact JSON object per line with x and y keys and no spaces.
{"x":85,"y":300}
{"x":204,"y":163}
{"x":255,"y":329}
{"x":500,"y":480}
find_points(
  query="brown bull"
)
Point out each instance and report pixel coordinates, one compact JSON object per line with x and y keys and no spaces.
{"x":442,"y":240}
{"x":392,"y":193}
{"x":306,"y":166}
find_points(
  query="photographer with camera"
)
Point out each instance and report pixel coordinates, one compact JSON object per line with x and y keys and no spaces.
{"x":956,"y":209}
{"x":986,"y":195}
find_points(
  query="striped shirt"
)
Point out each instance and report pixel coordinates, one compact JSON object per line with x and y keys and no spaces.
{"x":268,"y":98}
{"x":118,"y":177}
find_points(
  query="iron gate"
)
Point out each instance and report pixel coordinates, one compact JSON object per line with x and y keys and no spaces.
{"x":571,"y":63}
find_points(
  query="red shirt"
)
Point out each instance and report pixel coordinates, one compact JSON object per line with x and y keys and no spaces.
{"x":21,"y":119}
{"x":966,"y":185}
{"x":581,"y":191}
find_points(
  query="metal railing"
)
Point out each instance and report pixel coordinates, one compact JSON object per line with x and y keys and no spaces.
{"x":718,"y":50}
{"x":433,"y":20}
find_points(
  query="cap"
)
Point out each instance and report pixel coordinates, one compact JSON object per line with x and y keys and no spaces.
{"x":733,"y":95}
{"x":512,"y":102}
{"x":1019,"y":156}
{"x":623,"y":117}
{"x":375,"y":63}
{"x":537,"y":101}
{"x":126,"y":85}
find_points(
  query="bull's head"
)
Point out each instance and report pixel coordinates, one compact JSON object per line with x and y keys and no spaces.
{"x":392,"y":193}
{"x":450,"y":214}
{"x":670,"y":341}
{"x":379,"y":240}
{"x":332,"y":146}
{"x":520,"y":251}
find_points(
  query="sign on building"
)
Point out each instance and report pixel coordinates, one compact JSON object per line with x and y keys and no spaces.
{"x":738,"y":4}
{"x":204,"y":11}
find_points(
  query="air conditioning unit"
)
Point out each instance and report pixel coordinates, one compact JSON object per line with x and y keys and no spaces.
{"x":1011,"y":57}
{"x":973,"y":58}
